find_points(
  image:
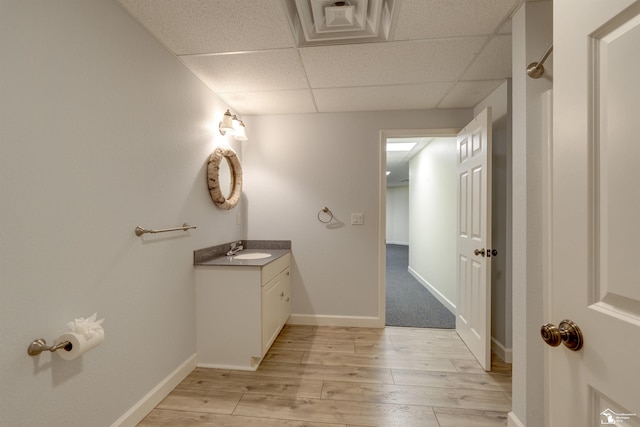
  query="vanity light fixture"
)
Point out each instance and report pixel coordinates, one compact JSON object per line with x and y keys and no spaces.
{"x":240,"y":132}
{"x":226,"y":125}
{"x":231,"y":123}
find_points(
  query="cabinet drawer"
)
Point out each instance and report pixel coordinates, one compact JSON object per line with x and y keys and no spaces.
{"x":272,"y":269}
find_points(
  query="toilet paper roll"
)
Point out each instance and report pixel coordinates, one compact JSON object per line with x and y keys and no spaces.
{"x":79,"y":344}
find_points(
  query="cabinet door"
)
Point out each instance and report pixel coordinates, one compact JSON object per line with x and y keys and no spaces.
{"x":271,"y":312}
{"x":285,"y":301}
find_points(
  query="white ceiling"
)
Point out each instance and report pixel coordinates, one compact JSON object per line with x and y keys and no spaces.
{"x":398,"y":161}
{"x":440,"y":54}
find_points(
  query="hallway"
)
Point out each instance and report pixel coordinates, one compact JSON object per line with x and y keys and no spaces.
{"x":409,"y":304}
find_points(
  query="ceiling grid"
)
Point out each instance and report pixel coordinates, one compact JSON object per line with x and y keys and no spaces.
{"x":257,"y":56}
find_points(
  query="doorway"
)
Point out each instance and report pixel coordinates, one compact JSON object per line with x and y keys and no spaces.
{"x":420,"y":227}
{"x":497,"y":333}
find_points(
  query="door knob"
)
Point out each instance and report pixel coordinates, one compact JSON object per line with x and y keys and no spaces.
{"x":479,"y":252}
{"x":567,"y":332}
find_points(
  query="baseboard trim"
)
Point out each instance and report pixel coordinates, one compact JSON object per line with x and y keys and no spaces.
{"x":140,"y":410}
{"x":398,"y":243}
{"x":504,"y":353}
{"x":232,"y":367}
{"x":513,"y":421}
{"x":327,"y":320}
{"x":428,"y":286}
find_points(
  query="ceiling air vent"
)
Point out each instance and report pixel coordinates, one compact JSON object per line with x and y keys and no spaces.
{"x":341,"y":14}
{"x":317,"y":22}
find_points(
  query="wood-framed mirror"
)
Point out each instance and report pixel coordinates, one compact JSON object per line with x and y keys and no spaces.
{"x":221,"y":175}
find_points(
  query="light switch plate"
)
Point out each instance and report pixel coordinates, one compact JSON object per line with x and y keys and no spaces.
{"x":357,"y":219}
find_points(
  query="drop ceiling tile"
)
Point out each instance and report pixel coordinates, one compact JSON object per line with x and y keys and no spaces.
{"x":425,"y":19}
{"x":250,"y":71}
{"x":374,"y":64}
{"x":494,"y":62}
{"x":208,"y":26}
{"x":270,"y":102}
{"x":371,"y":98}
{"x":468,"y":94}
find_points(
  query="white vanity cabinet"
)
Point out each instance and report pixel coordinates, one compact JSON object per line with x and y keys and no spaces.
{"x":240,"y":310}
{"x":276,"y":307}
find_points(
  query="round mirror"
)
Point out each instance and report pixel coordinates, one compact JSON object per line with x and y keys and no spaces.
{"x":224,"y":175}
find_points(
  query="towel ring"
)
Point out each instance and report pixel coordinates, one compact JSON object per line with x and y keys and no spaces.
{"x":327,"y":211}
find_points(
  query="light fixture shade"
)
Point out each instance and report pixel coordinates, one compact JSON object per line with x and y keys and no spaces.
{"x":235,"y":122}
{"x":226,"y":125}
{"x":240,"y":131}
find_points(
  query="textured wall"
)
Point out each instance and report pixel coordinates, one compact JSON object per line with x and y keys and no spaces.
{"x":501,"y":309}
{"x":398,"y":215}
{"x":433,"y":216}
{"x":533,"y":33}
{"x":101,"y":130}
{"x":296,"y":164}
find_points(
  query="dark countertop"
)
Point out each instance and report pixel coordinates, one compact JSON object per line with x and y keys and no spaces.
{"x":232,"y":261}
{"x":216,"y":255}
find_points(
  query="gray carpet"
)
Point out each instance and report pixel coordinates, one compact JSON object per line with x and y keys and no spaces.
{"x":408,"y":302}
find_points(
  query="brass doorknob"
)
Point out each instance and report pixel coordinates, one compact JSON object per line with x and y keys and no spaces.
{"x":479,"y":252}
{"x":567,"y":332}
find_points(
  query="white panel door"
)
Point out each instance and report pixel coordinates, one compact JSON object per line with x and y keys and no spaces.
{"x":473,"y":308}
{"x":595,"y":281}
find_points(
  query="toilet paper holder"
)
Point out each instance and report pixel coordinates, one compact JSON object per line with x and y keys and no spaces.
{"x":38,"y":346}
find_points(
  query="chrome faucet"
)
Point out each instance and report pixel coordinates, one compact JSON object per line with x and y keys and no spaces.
{"x":235,"y":248}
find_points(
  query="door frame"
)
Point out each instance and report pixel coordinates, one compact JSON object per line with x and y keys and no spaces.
{"x":547,"y":227}
{"x":382,"y":207}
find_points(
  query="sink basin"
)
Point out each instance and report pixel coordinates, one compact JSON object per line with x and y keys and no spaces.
{"x":254,"y":255}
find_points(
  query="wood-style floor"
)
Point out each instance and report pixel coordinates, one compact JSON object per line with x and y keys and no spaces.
{"x":330,"y":376}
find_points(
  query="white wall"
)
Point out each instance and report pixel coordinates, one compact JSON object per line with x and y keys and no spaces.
{"x":501,"y":134}
{"x":101,"y":130}
{"x":433,"y":217}
{"x":532,"y":35}
{"x":398,"y":215}
{"x":295,"y":165}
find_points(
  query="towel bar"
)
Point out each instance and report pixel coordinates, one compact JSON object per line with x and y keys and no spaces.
{"x":140,"y":231}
